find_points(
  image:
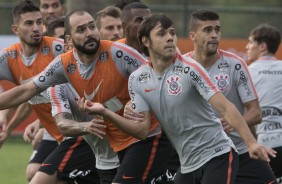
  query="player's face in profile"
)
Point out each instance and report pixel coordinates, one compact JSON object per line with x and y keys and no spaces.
{"x":207,"y":36}
{"x":51,"y":10}
{"x":84,"y":33}
{"x":137,"y":16}
{"x":163,"y":42}
{"x":253,"y":50}
{"x":30,"y":28}
{"x":111,"y":28}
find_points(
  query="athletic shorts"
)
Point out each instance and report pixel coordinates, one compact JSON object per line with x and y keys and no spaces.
{"x":73,"y":159}
{"x":219,"y":170}
{"x":44,"y":149}
{"x":144,"y":160}
{"x":276,"y":163}
{"x":107,"y":176}
{"x":253,"y":171}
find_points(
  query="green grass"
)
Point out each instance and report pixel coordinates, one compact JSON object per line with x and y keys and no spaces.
{"x":14,"y":156}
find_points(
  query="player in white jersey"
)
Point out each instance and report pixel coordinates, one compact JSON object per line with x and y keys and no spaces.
{"x":266,"y":71}
{"x":64,"y":100}
{"x":179,"y":92}
{"x":230,"y":75}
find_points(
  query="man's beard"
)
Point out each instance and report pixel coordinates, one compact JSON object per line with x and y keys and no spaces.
{"x":32,"y":44}
{"x":84,"y":50}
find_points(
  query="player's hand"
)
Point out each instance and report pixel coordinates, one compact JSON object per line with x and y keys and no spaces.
{"x":3,"y":137}
{"x":96,"y":127}
{"x":260,"y":152}
{"x":226,"y":127}
{"x":130,"y":113}
{"x":30,"y":132}
{"x":90,"y":107}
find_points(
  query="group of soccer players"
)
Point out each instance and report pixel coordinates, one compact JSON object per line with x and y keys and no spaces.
{"x":136,"y":110}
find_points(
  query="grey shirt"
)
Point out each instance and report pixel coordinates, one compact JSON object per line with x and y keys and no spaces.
{"x":179,"y":99}
{"x":267,"y":74}
{"x":231,"y":76}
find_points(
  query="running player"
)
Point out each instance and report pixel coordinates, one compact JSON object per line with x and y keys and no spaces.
{"x":179,"y":92}
{"x":230,"y":75}
{"x":108,"y":22}
{"x":266,"y":71}
{"x":98,"y":70}
{"x":19,"y":64}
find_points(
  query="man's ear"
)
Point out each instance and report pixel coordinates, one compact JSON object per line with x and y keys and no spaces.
{"x":145,"y":41}
{"x":263,"y":47}
{"x":14,"y":28}
{"x":192,"y":35}
{"x":68,"y":39}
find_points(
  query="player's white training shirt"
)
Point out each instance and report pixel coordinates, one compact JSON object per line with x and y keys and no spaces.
{"x":64,"y":99}
{"x":179,"y":99}
{"x":267,"y":75}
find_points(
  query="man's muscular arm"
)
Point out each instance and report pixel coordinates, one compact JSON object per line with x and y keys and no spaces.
{"x":72,"y":128}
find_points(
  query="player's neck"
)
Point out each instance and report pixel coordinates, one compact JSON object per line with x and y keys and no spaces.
{"x":160,"y":64}
{"x":87,"y":59}
{"x":205,"y":60}
{"x":29,"y":50}
{"x":133,"y":44}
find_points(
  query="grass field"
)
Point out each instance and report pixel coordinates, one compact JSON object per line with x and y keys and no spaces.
{"x":14,"y":156}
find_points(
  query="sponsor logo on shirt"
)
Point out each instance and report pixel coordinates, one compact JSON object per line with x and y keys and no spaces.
{"x":51,"y":70}
{"x":119,"y":54}
{"x":223,"y":66}
{"x":271,"y":111}
{"x":244,"y":80}
{"x":270,"y":72}
{"x":3,"y":57}
{"x":178,"y":70}
{"x":198,"y":80}
{"x":92,"y":95}
{"x":131,"y":94}
{"x":104,"y":56}
{"x":13,"y":54}
{"x":144,"y":77}
{"x":222,"y":81}
{"x":71,"y":68}
{"x":174,"y":87}
{"x":271,"y":126}
{"x":58,"y":48}
{"x":45,"y":50}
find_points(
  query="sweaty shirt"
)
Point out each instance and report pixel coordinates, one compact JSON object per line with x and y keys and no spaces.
{"x":179,"y":99}
{"x":267,"y":74}
{"x":17,"y":68}
{"x":103,"y":80}
{"x":231,"y":76}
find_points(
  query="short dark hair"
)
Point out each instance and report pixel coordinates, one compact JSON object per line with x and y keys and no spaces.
{"x":267,"y":34}
{"x":61,"y":1}
{"x":150,"y":23}
{"x":108,"y":11}
{"x":126,"y":12}
{"x":202,"y":15}
{"x":53,"y":26}
{"x":22,"y":8}
{"x":122,"y":3}
{"x":67,"y":20}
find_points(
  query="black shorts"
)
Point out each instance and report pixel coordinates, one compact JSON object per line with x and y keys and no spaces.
{"x":73,"y":159}
{"x":253,"y":171}
{"x":143,"y":160}
{"x":44,"y":149}
{"x":219,"y":170}
{"x":107,"y":176}
{"x":276,"y":163}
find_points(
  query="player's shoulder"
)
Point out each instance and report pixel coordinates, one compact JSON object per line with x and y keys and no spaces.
{"x":230,"y":57}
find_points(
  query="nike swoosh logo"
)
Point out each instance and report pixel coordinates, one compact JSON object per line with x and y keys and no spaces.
{"x":127,"y":177}
{"x":149,"y":90}
{"x":45,"y":164}
{"x":24,"y":81}
{"x":92,"y":95}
